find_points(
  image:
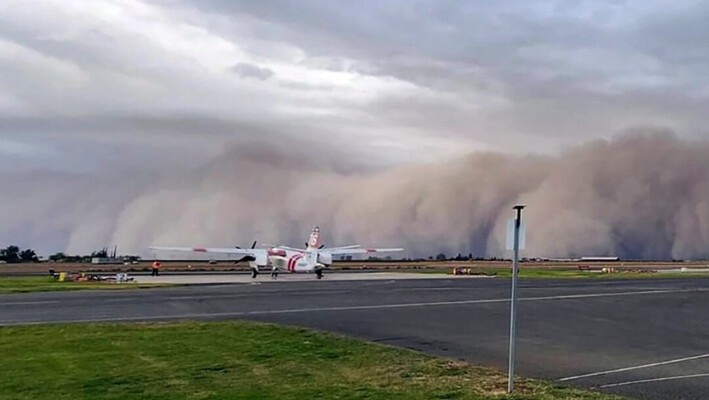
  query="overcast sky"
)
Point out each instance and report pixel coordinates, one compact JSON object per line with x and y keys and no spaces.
{"x":103,"y":83}
{"x":133,"y":90}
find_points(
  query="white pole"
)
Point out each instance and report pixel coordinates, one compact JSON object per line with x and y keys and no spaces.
{"x":513,"y":303}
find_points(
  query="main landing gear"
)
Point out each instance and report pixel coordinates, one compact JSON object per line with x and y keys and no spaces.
{"x":254,"y":273}
{"x":274,"y":273}
{"x":318,"y":273}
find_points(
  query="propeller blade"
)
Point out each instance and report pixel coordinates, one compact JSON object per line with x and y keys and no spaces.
{"x":306,"y":245}
{"x":253,"y":245}
{"x":321,"y":246}
{"x":237,"y":247}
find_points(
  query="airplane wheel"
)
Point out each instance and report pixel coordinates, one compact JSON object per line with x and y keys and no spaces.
{"x":318,"y":273}
{"x":254,"y":273}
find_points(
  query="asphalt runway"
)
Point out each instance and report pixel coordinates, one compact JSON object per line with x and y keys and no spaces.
{"x":245,"y":277}
{"x":644,"y":338}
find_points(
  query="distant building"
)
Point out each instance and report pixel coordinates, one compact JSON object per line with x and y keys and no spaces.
{"x":106,"y":260}
{"x":601,"y":259}
{"x":103,"y":257}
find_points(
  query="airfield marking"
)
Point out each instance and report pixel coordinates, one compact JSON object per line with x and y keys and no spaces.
{"x":350,"y":308}
{"x":329,"y":291}
{"x":348,"y":290}
{"x":24,"y":303}
{"x":379,"y":283}
{"x":254,"y":294}
{"x":268,"y":292}
{"x":667,"y":378}
{"x":613,"y":371}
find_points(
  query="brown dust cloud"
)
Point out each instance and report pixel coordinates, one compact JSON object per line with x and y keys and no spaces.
{"x":640,"y":195}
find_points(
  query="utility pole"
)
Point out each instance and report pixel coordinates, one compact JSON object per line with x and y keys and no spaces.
{"x":513,"y":302}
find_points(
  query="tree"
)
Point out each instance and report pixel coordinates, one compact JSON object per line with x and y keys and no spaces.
{"x":28,"y":255}
{"x":57,"y":257}
{"x":440,"y":257}
{"x":10,"y":254}
{"x":103,"y":253}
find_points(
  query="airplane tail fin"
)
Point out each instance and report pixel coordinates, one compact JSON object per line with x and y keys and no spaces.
{"x":314,"y":240}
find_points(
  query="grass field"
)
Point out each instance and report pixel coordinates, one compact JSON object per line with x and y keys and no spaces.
{"x":48,"y":284}
{"x":597,"y":275}
{"x":572,"y":274}
{"x":235,"y":360}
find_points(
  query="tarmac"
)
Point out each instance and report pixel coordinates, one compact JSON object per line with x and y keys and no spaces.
{"x":214,"y":278}
{"x":644,"y":338}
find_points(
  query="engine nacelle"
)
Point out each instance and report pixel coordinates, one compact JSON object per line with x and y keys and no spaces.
{"x":325,"y":258}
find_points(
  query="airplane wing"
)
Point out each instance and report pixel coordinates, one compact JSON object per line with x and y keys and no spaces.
{"x":220,"y":250}
{"x":331,"y":249}
{"x":290,"y":248}
{"x":350,"y":250}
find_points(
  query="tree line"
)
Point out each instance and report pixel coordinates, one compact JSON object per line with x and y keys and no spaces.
{"x":13,"y":254}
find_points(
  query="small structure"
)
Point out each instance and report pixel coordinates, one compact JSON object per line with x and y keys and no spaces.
{"x":106,"y":260}
{"x":109,"y":259}
{"x":599,"y":259}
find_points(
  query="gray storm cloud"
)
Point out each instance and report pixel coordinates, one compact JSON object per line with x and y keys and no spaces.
{"x":246,"y":70}
{"x":219,"y":122}
{"x":639,"y":195}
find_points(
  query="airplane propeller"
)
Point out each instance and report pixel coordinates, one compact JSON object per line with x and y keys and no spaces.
{"x":246,"y":258}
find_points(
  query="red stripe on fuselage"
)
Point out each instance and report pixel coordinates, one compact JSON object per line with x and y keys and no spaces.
{"x":292,"y":261}
{"x":200,"y":249}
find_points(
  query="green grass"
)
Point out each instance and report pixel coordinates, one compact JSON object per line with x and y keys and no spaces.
{"x":571,"y":274}
{"x":236,"y":360}
{"x":48,"y":284}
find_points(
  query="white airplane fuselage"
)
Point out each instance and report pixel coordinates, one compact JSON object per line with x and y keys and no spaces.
{"x":287,"y":260}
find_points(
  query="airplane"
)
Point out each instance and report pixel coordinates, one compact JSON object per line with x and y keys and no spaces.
{"x":314,"y":258}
